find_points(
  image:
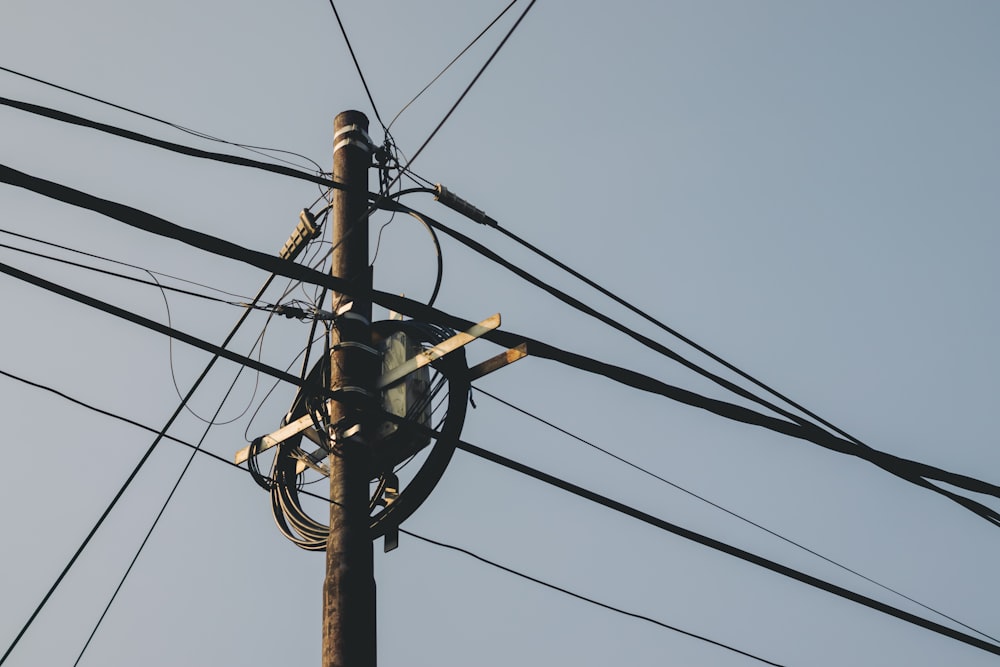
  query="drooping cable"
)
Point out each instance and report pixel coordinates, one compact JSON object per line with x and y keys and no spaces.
{"x":904,"y":468}
{"x":453,"y":61}
{"x":259,"y":344}
{"x":260,"y":150}
{"x":728,"y":511}
{"x":439,"y":256}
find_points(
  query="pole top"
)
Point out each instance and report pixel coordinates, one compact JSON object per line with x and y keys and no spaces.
{"x":350,"y":118}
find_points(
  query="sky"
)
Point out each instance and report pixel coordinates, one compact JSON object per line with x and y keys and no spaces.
{"x":807,"y":189}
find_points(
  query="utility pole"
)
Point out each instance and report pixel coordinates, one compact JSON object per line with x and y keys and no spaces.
{"x":349,"y":587}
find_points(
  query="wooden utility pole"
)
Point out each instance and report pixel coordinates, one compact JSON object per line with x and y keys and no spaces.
{"x":349,"y":588}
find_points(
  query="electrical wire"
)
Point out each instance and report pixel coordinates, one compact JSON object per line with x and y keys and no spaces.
{"x":225,"y":158}
{"x":197,"y":450}
{"x":201,"y":135}
{"x":173,"y":375}
{"x":728,"y":511}
{"x":131,"y":477}
{"x":437,"y":252}
{"x":160,"y":328}
{"x":588,"y":495}
{"x":676,"y":334}
{"x":159,"y":515}
{"x":357,"y":65}
{"x":584,"y":598}
{"x":471,"y":83}
{"x":453,"y":61}
{"x":902,"y":468}
{"x":717,"y":545}
{"x":153,"y":283}
{"x":906,"y":469}
{"x":118,"y":262}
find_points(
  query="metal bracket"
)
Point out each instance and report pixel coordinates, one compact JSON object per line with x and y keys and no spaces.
{"x":299,"y":426}
{"x":389,"y":496}
{"x":434,"y":353}
{"x":350,"y":343}
{"x":498,"y":362}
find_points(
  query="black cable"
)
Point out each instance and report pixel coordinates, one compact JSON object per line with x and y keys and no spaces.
{"x":119,"y":263}
{"x":578,"y":596}
{"x":197,"y":450}
{"x":437,"y":252}
{"x":609,"y":321}
{"x":676,"y":334}
{"x":156,"y":520}
{"x":111,"y":415}
{"x":72,"y":119}
{"x":610,"y":504}
{"x":728,"y":511}
{"x":196,"y":133}
{"x":161,"y":328}
{"x":357,"y":65}
{"x":471,"y":83}
{"x":173,"y":375}
{"x":115,"y":274}
{"x":904,"y":468}
{"x":897,"y":466}
{"x":728,"y":549}
{"x":453,"y":61}
{"x":128,"y":481}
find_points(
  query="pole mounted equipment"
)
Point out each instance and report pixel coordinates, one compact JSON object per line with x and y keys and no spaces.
{"x":394,"y":382}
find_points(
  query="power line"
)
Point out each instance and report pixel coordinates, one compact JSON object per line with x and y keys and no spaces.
{"x":717,"y":545}
{"x":159,"y":515}
{"x":357,"y":65}
{"x":115,"y":274}
{"x":453,"y":61}
{"x":118,"y":262}
{"x":658,"y":323}
{"x":584,"y":598}
{"x":908,"y":470}
{"x":163,"y":329}
{"x":728,"y":511}
{"x":131,"y":477}
{"x":197,"y":450}
{"x":201,"y":135}
{"x":72,"y":119}
{"x":471,"y":83}
{"x":628,"y":511}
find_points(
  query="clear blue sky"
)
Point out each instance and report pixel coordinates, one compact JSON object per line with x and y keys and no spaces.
{"x":808,"y":189}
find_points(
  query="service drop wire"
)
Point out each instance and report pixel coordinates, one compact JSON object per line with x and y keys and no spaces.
{"x":135,"y":471}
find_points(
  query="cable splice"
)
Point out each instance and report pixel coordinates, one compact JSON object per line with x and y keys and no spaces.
{"x":456,"y":203}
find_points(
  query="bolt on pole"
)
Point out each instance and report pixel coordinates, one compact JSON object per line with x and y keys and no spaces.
{"x":349,"y":587}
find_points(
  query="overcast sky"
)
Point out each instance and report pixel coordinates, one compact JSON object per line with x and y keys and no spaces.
{"x":808,"y":189}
